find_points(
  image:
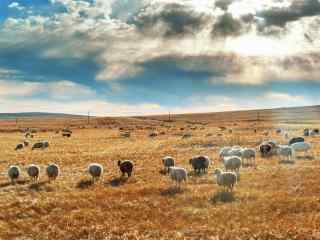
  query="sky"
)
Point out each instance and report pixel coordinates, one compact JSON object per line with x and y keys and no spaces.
{"x":141,"y":57}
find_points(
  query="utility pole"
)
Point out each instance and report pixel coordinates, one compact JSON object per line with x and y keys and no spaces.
{"x":88,"y":117}
{"x":169,"y":117}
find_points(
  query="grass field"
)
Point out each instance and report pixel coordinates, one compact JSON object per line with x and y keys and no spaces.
{"x":272,"y":201}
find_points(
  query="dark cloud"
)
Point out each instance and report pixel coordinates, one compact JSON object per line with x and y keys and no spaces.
{"x":172,"y":20}
{"x":227,"y":25}
{"x":298,"y":9}
{"x":223,"y":4}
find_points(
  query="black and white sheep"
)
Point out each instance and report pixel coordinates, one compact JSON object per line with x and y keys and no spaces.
{"x":200,"y":163}
{"x":40,"y":145}
{"x":126,"y":167}
{"x":33,"y":172}
{"x":13,"y":173}
{"x":168,"y":162}
{"x":95,"y":170}
{"x":53,"y":171}
{"x":19,"y":146}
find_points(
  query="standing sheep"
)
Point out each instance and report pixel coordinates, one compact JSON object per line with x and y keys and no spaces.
{"x":168,"y":162}
{"x":178,"y":174}
{"x":52,"y":172}
{"x":126,"y":167}
{"x":248,"y":154}
{"x":95,"y":170}
{"x":286,"y":152}
{"x":304,"y":147}
{"x":33,"y":172}
{"x":41,"y":145}
{"x":232,"y":163}
{"x":19,"y":147}
{"x":13,"y":173}
{"x":226,"y":179}
{"x":200,"y":163}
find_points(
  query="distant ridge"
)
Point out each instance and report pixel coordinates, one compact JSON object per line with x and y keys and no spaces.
{"x":37,"y":115}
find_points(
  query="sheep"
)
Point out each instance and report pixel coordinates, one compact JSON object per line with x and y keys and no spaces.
{"x":200,"y":163}
{"x":19,"y":146}
{"x":186,"y":135}
{"x":126,"y":167}
{"x":41,"y":145}
{"x":224,"y":152}
{"x":296,"y":140}
{"x":33,"y":172}
{"x":232,"y":163}
{"x":285,"y":151}
{"x":306,"y":132}
{"x":301,"y":147}
{"x":178,"y":174}
{"x":65,"y":134}
{"x":13,"y":173}
{"x":95,"y":170}
{"x":153,"y":134}
{"x":26,"y":143}
{"x":248,"y":154}
{"x":268,"y":148}
{"x":52,"y":172}
{"x":168,"y":162}
{"x":226,"y":179}
{"x":125,"y":134}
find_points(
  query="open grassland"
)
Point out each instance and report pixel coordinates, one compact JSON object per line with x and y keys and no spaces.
{"x":272,"y":201}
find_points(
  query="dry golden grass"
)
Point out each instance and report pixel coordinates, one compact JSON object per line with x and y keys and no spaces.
{"x":274,"y":201}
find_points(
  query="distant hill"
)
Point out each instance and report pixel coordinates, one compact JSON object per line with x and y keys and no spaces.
{"x":37,"y":115}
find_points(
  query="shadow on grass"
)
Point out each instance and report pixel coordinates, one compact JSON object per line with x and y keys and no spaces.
{"x":286,"y":162}
{"x":85,"y":183}
{"x":196,"y":174}
{"x":6,"y":184}
{"x":223,"y":197}
{"x":304,"y":157}
{"x":118,"y":181}
{"x":172,"y":191}
{"x":40,"y":186}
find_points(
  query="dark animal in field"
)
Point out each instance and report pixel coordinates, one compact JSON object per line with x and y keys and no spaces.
{"x":126,"y":167}
{"x":19,"y":146}
{"x":265,"y":149}
{"x":40,"y":145}
{"x":200,"y":163}
{"x":66,"y":134}
{"x":296,"y":140}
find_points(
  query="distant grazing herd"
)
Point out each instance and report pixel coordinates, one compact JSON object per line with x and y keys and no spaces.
{"x":232,"y":157}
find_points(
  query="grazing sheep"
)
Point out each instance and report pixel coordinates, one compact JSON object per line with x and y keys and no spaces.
{"x":314,"y":132}
{"x":26,"y":143}
{"x":65,"y":134}
{"x":126,"y":167}
{"x":168,"y":162}
{"x":200,"y":163}
{"x":224,"y":152}
{"x":40,"y":145}
{"x":125,"y":134}
{"x":186,"y":135}
{"x":178,"y":174}
{"x":268,"y":148}
{"x":19,"y":146}
{"x":296,"y":140}
{"x":52,"y":172}
{"x":13,"y":173}
{"x":285,"y":151}
{"x":153,"y":134}
{"x":33,"y":172}
{"x":248,"y":154}
{"x":232,"y":163}
{"x":226,"y":179}
{"x":306,"y":132}
{"x":301,"y":147}
{"x":95,"y":170}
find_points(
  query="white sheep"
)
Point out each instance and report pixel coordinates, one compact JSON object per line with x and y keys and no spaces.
{"x":52,"y":172}
{"x":248,"y":154}
{"x":232,"y":163}
{"x":226,"y":179}
{"x":13,"y":173}
{"x":304,"y":147}
{"x":95,"y":170}
{"x":285,"y":151}
{"x":224,"y":152}
{"x":33,"y":172}
{"x":178,"y":174}
{"x":168,"y":161}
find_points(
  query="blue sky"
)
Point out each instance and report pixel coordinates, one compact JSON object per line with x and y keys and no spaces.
{"x":129,"y":57}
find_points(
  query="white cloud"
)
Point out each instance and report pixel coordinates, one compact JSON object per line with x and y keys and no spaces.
{"x":15,"y":5}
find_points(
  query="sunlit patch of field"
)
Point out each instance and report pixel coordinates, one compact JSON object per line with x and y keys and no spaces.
{"x":273,"y":201}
